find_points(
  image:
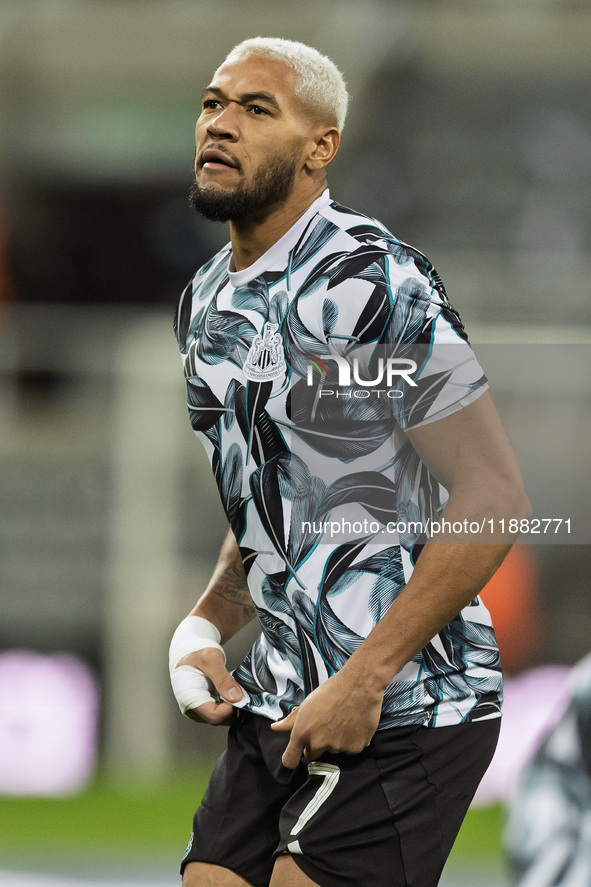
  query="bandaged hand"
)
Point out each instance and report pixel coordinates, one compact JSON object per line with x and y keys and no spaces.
{"x":197,"y":671}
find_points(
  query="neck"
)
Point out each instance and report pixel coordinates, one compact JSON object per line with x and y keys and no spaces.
{"x":253,"y":236}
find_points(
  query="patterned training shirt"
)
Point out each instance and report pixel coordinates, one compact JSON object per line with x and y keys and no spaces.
{"x":290,"y":389}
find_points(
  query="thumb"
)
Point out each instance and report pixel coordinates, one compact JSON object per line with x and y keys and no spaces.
{"x":211,"y":663}
{"x":285,"y":724}
{"x":293,"y":753}
{"x":227,"y":687}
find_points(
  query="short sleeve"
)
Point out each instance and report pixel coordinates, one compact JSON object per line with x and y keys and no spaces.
{"x":390,"y":318}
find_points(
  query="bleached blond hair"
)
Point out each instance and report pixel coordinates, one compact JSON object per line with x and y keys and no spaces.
{"x":320,"y":84}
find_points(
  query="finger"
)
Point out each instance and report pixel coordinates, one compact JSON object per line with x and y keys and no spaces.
{"x":293,"y":753}
{"x":226,"y":686}
{"x":211,"y":663}
{"x":313,"y":754}
{"x":285,"y":724}
{"x":214,"y":713}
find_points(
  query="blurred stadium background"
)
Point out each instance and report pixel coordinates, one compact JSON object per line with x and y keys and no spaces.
{"x":470,"y":136}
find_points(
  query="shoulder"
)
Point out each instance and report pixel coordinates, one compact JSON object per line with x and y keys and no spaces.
{"x":366,"y":235}
{"x":362,"y":228}
{"x":368,"y":273}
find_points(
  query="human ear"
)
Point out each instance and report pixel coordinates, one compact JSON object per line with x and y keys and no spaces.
{"x":326,"y":144}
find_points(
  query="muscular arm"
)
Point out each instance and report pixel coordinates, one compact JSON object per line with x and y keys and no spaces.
{"x":471,"y":456}
{"x":226,"y":602}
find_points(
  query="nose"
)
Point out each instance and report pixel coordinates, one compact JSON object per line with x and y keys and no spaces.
{"x":224,"y":124}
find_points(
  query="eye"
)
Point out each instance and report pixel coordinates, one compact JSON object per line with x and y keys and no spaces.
{"x":257,"y":110}
{"x":210,"y":104}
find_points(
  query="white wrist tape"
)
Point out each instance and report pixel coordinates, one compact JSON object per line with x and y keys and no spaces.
{"x":190,"y":686}
{"x":192,"y":635}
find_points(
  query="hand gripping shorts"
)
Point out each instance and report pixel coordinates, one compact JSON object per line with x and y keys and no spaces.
{"x":384,"y":818}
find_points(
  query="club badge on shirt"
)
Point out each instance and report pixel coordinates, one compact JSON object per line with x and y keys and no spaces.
{"x":265,"y":360}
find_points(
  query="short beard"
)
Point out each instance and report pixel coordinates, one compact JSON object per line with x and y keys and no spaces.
{"x":272,"y":184}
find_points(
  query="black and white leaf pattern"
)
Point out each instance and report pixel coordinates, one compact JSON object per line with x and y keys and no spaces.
{"x":411,"y":302}
{"x":249,"y":556}
{"x":330,"y":313}
{"x":375,"y":314}
{"x":260,"y":666}
{"x":263,"y":438}
{"x":371,"y":489}
{"x":471,"y":641}
{"x":312,"y":242}
{"x":281,"y":637}
{"x":204,"y":407}
{"x":339,"y":562}
{"x":182,"y":318}
{"x":400,"y":700}
{"x":225,"y":336}
{"x":389,"y":571}
{"x":343,"y":428}
{"x":299,"y":342}
{"x":336,"y":641}
{"x":359,"y":263}
{"x":346,"y":459}
{"x":489,"y":706}
{"x":304,"y":511}
{"x":310,"y":671}
{"x":229,"y":404}
{"x":266,"y":484}
{"x":327,"y":633}
{"x":231,"y":483}
{"x":254,"y":297}
{"x":419,"y":495}
{"x":278,"y":308}
{"x":274,"y":593}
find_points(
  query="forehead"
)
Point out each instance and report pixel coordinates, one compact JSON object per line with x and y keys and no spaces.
{"x":258,"y":73}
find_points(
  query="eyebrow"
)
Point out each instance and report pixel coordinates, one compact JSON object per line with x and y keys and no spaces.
{"x":245,"y":97}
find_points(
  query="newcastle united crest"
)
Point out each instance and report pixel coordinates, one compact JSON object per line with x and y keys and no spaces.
{"x":265,"y":360}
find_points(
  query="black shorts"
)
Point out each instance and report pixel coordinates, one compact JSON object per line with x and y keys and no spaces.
{"x":384,"y":818}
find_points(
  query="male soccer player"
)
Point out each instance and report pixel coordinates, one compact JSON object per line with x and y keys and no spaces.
{"x":367,"y":711}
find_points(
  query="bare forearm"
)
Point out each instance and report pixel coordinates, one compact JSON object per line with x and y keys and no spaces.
{"x":226,"y":601}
